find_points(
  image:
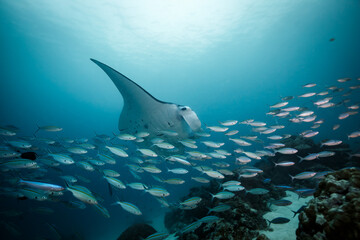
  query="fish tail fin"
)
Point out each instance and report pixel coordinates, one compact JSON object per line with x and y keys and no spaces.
{"x":268,"y":222}
{"x":292,"y":178}
{"x":115,"y":203}
{"x":301,"y":158}
{"x":209,"y":210}
{"x":275,"y":163}
{"x":66,"y":184}
{"x":294,"y":213}
{"x":212,"y":196}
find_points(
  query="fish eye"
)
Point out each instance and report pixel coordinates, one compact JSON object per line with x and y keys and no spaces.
{"x":183,"y":108}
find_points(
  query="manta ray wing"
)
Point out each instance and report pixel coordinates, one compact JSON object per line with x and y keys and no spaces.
{"x":143,"y":112}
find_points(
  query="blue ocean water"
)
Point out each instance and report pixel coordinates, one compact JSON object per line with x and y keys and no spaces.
{"x":227,"y":60}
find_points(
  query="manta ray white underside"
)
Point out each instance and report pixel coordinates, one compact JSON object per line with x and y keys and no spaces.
{"x":143,"y":112}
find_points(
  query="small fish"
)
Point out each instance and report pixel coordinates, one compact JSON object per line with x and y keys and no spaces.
{"x":164,"y":145}
{"x":252,"y":155}
{"x":18,"y":164}
{"x":306,"y":95}
{"x":217,"y":155}
{"x":20,"y":144}
{"x":191,"y":227}
{"x":200,"y":179}
{"x":213,"y":144}
{"x":343,"y":115}
{"x":231,"y":133}
{"x":240,"y":142}
{"x":102,"y":210}
{"x":284,"y":164}
{"x":106,"y":158}
{"x":9,"y":154}
{"x":287,"y":98}
{"x":286,"y":150}
{"x":309,"y":157}
{"x":137,"y":186}
{"x":117,"y":151}
{"x":69,"y":179}
{"x":223,"y":195}
{"x":88,"y":146}
{"x":331,"y":143}
{"x":229,"y":123}
{"x":354,"y":134}
{"x":326,"y":154}
{"x":142,"y":134}
{"x":327,"y":105}
{"x":147,"y":152}
{"x":129,"y":207}
{"x":125,"y":137}
{"x":41,"y":185}
{"x":74,"y":204}
{"x":220,"y":208}
{"x":342,"y":80}
{"x":309,"y":85}
{"x":229,"y":183}
{"x":77,"y":150}
{"x":279,"y":105}
{"x":169,"y":133}
{"x":151,"y":169}
{"x":82,"y":193}
{"x":302,"y":208}
{"x":178,"y":170}
{"x":248,"y":174}
{"x":305,"y":113}
{"x":158,"y":192}
{"x":115,"y":182}
{"x":258,"y":191}
{"x":309,"y":133}
{"x":174,"y":181}
{"x":234,"y":188}
{"x":85,"y":165}
{"x":214,"y":174}
{"x":49,"y":128}
{"x":284,"y":187}
{"x":257,"y":124}
{"x":303,"y":175}
{"x":268,"y":131}
{"x":191,"y":201}
{"x":62,"y":158}
{"x":279,"y":220}
{"x":209,"y":219}
{"x":96,"y":162}
{"x":34,"y":194}
{"x":243,"y":160}
{"x":275,"y":137}
{"x":225,"y":172}
{"x":281,"y":202}
{"x":217,"y":129}
{"x":111,"y":173}
{"x":188,"y":144}
{"x":157,"y":236}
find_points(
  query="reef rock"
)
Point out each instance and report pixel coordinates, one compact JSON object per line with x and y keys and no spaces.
{"x":137,"y":231}
{"x":334,"y":213}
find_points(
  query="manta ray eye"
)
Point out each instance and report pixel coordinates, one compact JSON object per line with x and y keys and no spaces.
{"x":183,"y":108}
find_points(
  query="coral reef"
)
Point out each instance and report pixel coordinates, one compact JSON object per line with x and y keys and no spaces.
{"x":242,"y":221}
{"x":136,"y":232}
{"x":334,"y":213}
{"x":280,"y":175}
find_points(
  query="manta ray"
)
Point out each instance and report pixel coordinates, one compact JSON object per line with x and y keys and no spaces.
{"x":143,"y":112}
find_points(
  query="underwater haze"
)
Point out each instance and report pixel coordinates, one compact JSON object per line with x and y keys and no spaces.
{"x":226,"y":60}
